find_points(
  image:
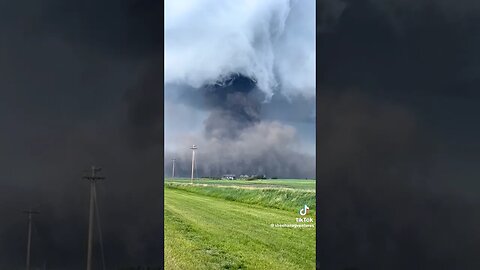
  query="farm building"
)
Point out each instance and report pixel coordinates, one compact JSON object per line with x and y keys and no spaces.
{"x":229,"y":176}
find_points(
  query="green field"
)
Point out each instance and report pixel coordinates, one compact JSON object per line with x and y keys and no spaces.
{"x":303,"y":184}
{"x":226,"y":224}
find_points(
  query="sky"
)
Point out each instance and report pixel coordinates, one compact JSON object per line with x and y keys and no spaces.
{"x":240,"y":84}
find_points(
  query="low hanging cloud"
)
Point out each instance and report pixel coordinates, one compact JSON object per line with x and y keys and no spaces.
{"x":272,"y":42}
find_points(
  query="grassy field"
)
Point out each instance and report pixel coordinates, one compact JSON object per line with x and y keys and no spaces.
{"x":303,"y":184}
{"x":226,"y":224}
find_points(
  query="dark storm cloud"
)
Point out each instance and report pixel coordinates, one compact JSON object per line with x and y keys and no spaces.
{"x":116,"y":27}
{"x":53,"y":185}
{"x":452,"y":11}
{"x":430,"y":47}
{"x":145,"y":116}
{"x":238,"y":104}
{"x":293,"y":109}
{"x":380,"y":203}
{"x":239,"y":136}
{"x":125,"y":26}
{"x":330,"y":12}
{"x":392,"y":191}
{"x":65,"y":72}
{"x":232,"y":107}
{"x":296,"y":109}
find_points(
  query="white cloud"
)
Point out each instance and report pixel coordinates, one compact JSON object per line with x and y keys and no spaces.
{"x":272,"y":41}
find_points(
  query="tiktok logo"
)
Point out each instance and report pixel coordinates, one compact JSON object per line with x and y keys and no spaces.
{"x":304,"y":210}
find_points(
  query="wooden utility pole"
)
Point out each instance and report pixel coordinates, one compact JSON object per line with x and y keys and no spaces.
{"x":194,"y":147}
{"x":29,"y":237}
{"x":93,"y":179}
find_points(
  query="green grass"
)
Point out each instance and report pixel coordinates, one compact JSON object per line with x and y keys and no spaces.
{"x":212,"y":227}
{"x":270,"y":197}
{"x":306,"y":184}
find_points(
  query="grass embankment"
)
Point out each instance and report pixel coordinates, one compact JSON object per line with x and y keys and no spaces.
{"x":286,"y":199}
{"x":209,"y":232}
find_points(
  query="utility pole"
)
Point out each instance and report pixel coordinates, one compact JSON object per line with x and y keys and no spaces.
{"x":194,"y":147}
{"x":93,"y":179}
{"x":29,"y":238}
{"x":173,"y":168}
